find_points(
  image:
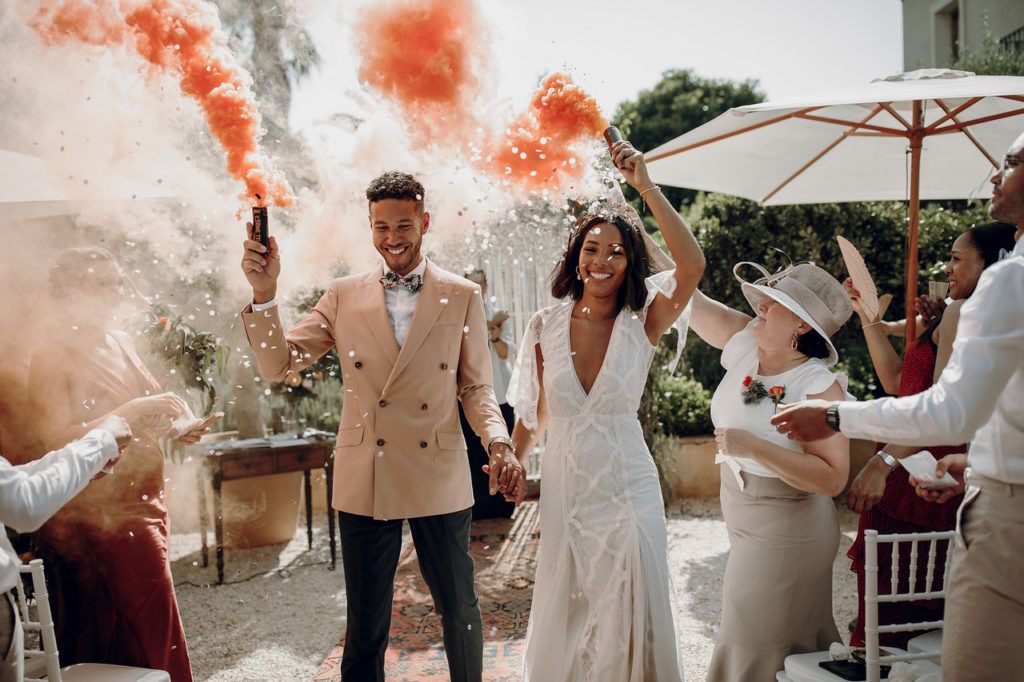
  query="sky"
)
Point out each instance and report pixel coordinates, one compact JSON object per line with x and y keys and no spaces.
{"x":617,"y":49}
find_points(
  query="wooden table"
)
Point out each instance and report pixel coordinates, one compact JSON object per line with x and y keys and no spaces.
{"x":234,"y":460}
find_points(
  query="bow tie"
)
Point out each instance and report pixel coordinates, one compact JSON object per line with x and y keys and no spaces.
{"x":411,"y":282}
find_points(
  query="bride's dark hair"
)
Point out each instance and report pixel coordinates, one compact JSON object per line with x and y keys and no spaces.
{"x":633,"y":292}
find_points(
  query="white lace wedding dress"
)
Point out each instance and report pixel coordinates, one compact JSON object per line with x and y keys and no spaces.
{"x":603,"y":603}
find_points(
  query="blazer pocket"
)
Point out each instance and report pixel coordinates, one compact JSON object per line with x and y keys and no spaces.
{"x":450,"y":440}
{"x":350,"y":435}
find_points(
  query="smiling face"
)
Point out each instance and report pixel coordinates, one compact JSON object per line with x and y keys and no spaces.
{"x":398,"y":227}
{"x":965,"y":267}
{"x":1008,"y":188}
{"x":775,"y":325}
{"x":603,"y":260}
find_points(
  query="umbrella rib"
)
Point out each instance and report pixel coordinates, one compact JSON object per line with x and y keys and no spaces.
{"x":950,"y":114}
{"x":724,"y":136}
{"x":835,"y":121}
{"x":967,"y":133}
{"x":892,"y":112}
{"x":976,"y":121}
{"x":823,"y":152}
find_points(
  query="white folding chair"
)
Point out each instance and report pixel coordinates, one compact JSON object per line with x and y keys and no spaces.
{"x":43,"y":664}
{"x":805,"y":668}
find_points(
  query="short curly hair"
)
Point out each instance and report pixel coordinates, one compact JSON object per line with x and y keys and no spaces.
{"x":395,"y":185}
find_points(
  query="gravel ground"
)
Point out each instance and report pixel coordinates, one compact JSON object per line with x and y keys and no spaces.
{"x":281,"y":610}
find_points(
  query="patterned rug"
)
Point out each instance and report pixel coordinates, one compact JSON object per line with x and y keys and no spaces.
{"x":505,"y":553}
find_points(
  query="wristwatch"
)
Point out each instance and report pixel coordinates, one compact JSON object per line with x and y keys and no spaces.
{"x":890,"y":461}
{"x":832,"y":416}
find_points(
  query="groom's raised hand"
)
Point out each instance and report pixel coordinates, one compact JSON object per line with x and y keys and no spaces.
{"x":261,"y":266}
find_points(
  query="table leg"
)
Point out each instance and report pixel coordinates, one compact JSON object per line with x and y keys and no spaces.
{"x":330,"y":512}
{"x":218,"y":527}
{"x":309,"y":509}
{"x":204,"y":521}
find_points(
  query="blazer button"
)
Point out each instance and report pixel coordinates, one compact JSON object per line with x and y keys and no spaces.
{"x":383,"y":403}
{"x":444,"y":365}
{"x":358,"y":364}
{"x":423,"y":406}
{"x":423,"y":443}
{"x":380,"y":441}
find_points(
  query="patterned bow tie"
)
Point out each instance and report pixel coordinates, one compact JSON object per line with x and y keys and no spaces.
{"x":411,"y":282}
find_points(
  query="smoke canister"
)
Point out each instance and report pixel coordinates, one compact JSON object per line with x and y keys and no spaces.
{"x":260,"y":232}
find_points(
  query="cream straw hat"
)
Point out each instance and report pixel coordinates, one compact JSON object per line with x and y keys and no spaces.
{"x":815,"y":296}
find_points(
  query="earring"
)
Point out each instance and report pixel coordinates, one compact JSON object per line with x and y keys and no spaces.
{"x":578,"y":275}
{"x":796,"y":340}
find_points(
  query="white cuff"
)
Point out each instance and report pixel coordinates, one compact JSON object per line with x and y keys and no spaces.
{"x":260,"y":307}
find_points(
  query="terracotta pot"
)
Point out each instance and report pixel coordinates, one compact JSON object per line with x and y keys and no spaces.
{"x":258,"y":511}
{"x":689,"y":465}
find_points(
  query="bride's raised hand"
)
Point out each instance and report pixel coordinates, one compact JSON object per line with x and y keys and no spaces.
{"x":631,"y":164}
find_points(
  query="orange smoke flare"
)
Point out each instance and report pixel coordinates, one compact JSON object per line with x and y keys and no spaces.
{"x":544,"y":145}
{"x":183,"y":37}
{"x":424,"y":55}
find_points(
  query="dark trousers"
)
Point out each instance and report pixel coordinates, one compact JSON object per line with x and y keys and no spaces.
{"x":485,"y":505}
{"x":370,"y":551}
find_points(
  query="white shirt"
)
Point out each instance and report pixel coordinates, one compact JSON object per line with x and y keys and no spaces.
{"x":501,"y":368}
{"x":980,"y":395}
{"x":401,"y":303}
{"x":31,"y":493}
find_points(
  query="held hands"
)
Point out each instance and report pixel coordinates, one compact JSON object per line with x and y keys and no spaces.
{"x":631,"y":164}
{"x":261,"y":266}
{"x":508,"y":476}
{"x":955,"y":465}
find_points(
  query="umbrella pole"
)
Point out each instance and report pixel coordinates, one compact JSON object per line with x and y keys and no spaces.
{"x":916,"y":137}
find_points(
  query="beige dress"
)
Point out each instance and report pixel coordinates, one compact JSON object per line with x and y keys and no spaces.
{"x":777,"y":592}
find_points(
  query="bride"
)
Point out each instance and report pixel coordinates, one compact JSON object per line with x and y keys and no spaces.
{"x":603,"y":602}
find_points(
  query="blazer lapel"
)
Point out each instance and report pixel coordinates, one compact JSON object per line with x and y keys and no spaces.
{"x":375,"y":313}
{"x":431,"y":302}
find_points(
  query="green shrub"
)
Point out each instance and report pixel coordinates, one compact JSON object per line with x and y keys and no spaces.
{"x":680,"y":406}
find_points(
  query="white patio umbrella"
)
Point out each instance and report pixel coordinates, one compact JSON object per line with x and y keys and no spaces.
{"x":927,"y":134}
{"x":30,"y":187}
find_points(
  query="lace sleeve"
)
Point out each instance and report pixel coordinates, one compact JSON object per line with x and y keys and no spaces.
{"x":665,"y":283}
{"x":524,"y":386}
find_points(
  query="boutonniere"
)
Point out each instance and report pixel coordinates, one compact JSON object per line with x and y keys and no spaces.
{"x":754,"y":391}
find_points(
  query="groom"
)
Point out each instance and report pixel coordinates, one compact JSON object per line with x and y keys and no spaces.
{"x":411,"y":339}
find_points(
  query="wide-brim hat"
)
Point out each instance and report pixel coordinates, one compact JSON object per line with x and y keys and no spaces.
{"x":812,"y":294}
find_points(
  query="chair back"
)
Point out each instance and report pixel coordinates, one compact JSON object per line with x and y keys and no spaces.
{"x":38,"y":620}
{"x":930,"y":585}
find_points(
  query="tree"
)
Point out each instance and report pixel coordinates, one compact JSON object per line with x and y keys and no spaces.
{"x":732,"y":230}
{"x":680,"y":102}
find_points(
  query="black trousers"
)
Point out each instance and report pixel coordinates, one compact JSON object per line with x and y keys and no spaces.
{"x":485,"y":505}
{"x":370,"y":550}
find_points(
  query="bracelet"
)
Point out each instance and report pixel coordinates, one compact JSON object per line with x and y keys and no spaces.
{"x":643,"y":192}
{"x":872,"y":324}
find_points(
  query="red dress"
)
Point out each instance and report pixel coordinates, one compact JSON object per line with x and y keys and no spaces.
{"x":900,"y":510}
{"x":106,"y":552}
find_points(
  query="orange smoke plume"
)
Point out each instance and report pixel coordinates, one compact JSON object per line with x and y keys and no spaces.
{"x":424,"y":55}
{"x":543,"y":146}
{"x":183,"y":37}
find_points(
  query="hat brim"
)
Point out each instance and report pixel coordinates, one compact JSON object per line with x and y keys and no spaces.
{"x":757,"y":294}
